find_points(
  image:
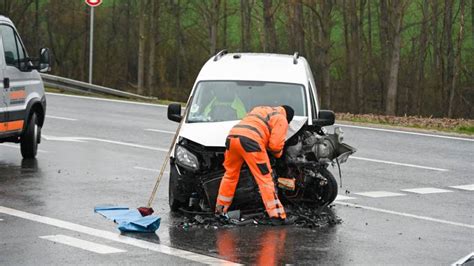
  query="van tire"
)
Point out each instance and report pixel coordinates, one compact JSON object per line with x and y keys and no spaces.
{"x":329,"y":191}
{"x":29,"y":138}
{"x":173,"y":192}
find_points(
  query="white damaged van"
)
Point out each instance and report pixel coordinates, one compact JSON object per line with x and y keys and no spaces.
{"x":227,"y":87}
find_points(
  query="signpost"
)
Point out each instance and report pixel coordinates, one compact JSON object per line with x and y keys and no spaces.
{"x":92,"y":4}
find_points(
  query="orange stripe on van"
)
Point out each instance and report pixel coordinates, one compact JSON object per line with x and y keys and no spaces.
{"x":11,"y":126}
{"x":15,"y":95}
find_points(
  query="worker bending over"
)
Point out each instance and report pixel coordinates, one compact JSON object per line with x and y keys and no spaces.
{"x":262,"y":129}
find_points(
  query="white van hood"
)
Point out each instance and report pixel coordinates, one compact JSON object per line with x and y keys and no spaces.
{"x":213,"y":134}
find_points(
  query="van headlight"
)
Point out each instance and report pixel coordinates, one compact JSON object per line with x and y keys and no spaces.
{"x":186,"y":159}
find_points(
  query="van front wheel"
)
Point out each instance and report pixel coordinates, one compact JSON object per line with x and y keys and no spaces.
{"x":29,"y":138}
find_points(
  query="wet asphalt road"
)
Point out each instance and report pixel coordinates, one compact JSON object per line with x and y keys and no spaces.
{"x":101,"y":152}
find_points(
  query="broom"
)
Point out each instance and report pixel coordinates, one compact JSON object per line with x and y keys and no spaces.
{"x":148,"y":210}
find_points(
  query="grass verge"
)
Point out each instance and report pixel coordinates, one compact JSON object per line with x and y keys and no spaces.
{"x":458,"y":126}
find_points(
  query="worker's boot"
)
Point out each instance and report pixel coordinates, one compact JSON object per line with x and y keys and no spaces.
{"x":219,"y":213}
{"x":279,"y":221}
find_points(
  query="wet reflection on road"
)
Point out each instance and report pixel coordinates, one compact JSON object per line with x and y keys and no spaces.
{"x":261,"y":245}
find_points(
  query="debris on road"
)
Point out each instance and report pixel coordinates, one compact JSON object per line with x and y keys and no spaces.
{"x":129,"y":220}
{"x":305,"y":216}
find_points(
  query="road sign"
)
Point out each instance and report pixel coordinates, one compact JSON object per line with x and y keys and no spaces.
{"x":93,"y":3}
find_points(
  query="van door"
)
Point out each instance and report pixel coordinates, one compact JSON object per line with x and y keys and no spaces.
{"x":17,"y":74}
{"x":3,"y":93}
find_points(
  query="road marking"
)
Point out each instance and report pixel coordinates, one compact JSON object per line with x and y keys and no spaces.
{"x":105,"y":100}
{"x":400,"y":164}
{"x":1,"y":220}
{"x":126,"y":144}
{"x":114,"y":237}
{"x":150,"y":169}
{"x":342,"y":197}
{"x":426,"y":190}
{"x":84,"y":139}
{"x":462,"y":260}
{"x":465,"y":187}
{"x":405,"y":214}
{"x":60,"y":118}
{"x":379,"y":194}
{"x":18,"y":147}
{"x":66,"y":139}
{"x":405,"y":132}
{"x":160,"y":131}
{"x":82,"y":244}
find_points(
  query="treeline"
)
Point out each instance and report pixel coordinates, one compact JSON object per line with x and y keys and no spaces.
{"x":393,"y":57}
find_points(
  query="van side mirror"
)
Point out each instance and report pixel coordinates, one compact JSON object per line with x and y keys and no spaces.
{"x":174,"y":112}
{"x":44,"y":60}
{"x":325,"y":118}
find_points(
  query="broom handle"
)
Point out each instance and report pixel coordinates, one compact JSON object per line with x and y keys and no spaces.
{"x":163,"y":167}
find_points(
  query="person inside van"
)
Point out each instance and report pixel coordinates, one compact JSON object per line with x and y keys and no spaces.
{"x":225,"y":105}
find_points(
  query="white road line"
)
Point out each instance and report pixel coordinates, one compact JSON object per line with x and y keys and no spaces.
{"x":150,"y":169}
{"x":114,"y":237}
{"x":82,"y":244}
{"x":342,"y":197}
{"x":61,"y":118}
{"x":160,"y":131}
{"x":462,"y":260}
{"x":82,"y":139}
{"x":426,"y":190}
{"x":66,"y":139}
{"x":465,"y":187}
{"x":425,"y":218}
{"x":1,"y":220}
{"x":17,"y":146}
{"x":400,"y":164}
{"x":405,"y":132}
{"x":105,"y":100}
{"x":379,"y":194}
{"x":126,"y":144}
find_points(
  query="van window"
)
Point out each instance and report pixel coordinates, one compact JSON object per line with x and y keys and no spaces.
{"x":21,"y":53}
{"x":313,"y":101}
{"x":14,"y":51}
{"x":217,"y":101}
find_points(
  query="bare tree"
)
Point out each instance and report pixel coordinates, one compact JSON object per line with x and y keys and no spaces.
{"x":270,"y":39}
{"x":141,"y":46}
{"x":420,"y":62}
{"x":457,"y":64}
{"x":153,"y":37}
{"x":295,"y":25}
{"x":323,"y":23}
{"x":398,"y":9}
{"x":245,"y":22}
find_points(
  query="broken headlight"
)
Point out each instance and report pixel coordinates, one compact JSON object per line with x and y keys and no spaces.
{"x":186,"y":159}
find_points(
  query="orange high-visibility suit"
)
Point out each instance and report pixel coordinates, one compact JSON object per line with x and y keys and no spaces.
{"x":263,"y":129}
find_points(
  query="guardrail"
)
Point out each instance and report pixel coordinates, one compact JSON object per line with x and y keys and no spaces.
{"x":83,"y":87}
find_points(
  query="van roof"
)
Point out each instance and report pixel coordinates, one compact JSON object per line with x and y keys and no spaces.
{"x":256,"y":66}
{"x":5,"y":19}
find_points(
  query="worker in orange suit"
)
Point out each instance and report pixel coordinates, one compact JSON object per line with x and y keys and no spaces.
{"x":262,"y":130}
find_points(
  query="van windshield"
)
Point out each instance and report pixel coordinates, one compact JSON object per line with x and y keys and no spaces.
{"x":216,"y":101}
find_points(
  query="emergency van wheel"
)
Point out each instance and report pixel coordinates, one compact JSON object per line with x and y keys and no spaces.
{"x":29,"y":138}
{"x":173,"y":192}
{"x":329,"y":191}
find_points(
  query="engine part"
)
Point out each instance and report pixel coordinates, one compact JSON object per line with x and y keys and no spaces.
{"x":246,"y":193}
{"x":286,"y":183}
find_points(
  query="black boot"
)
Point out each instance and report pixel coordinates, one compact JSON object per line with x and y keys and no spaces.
{"x":278,"y":221}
